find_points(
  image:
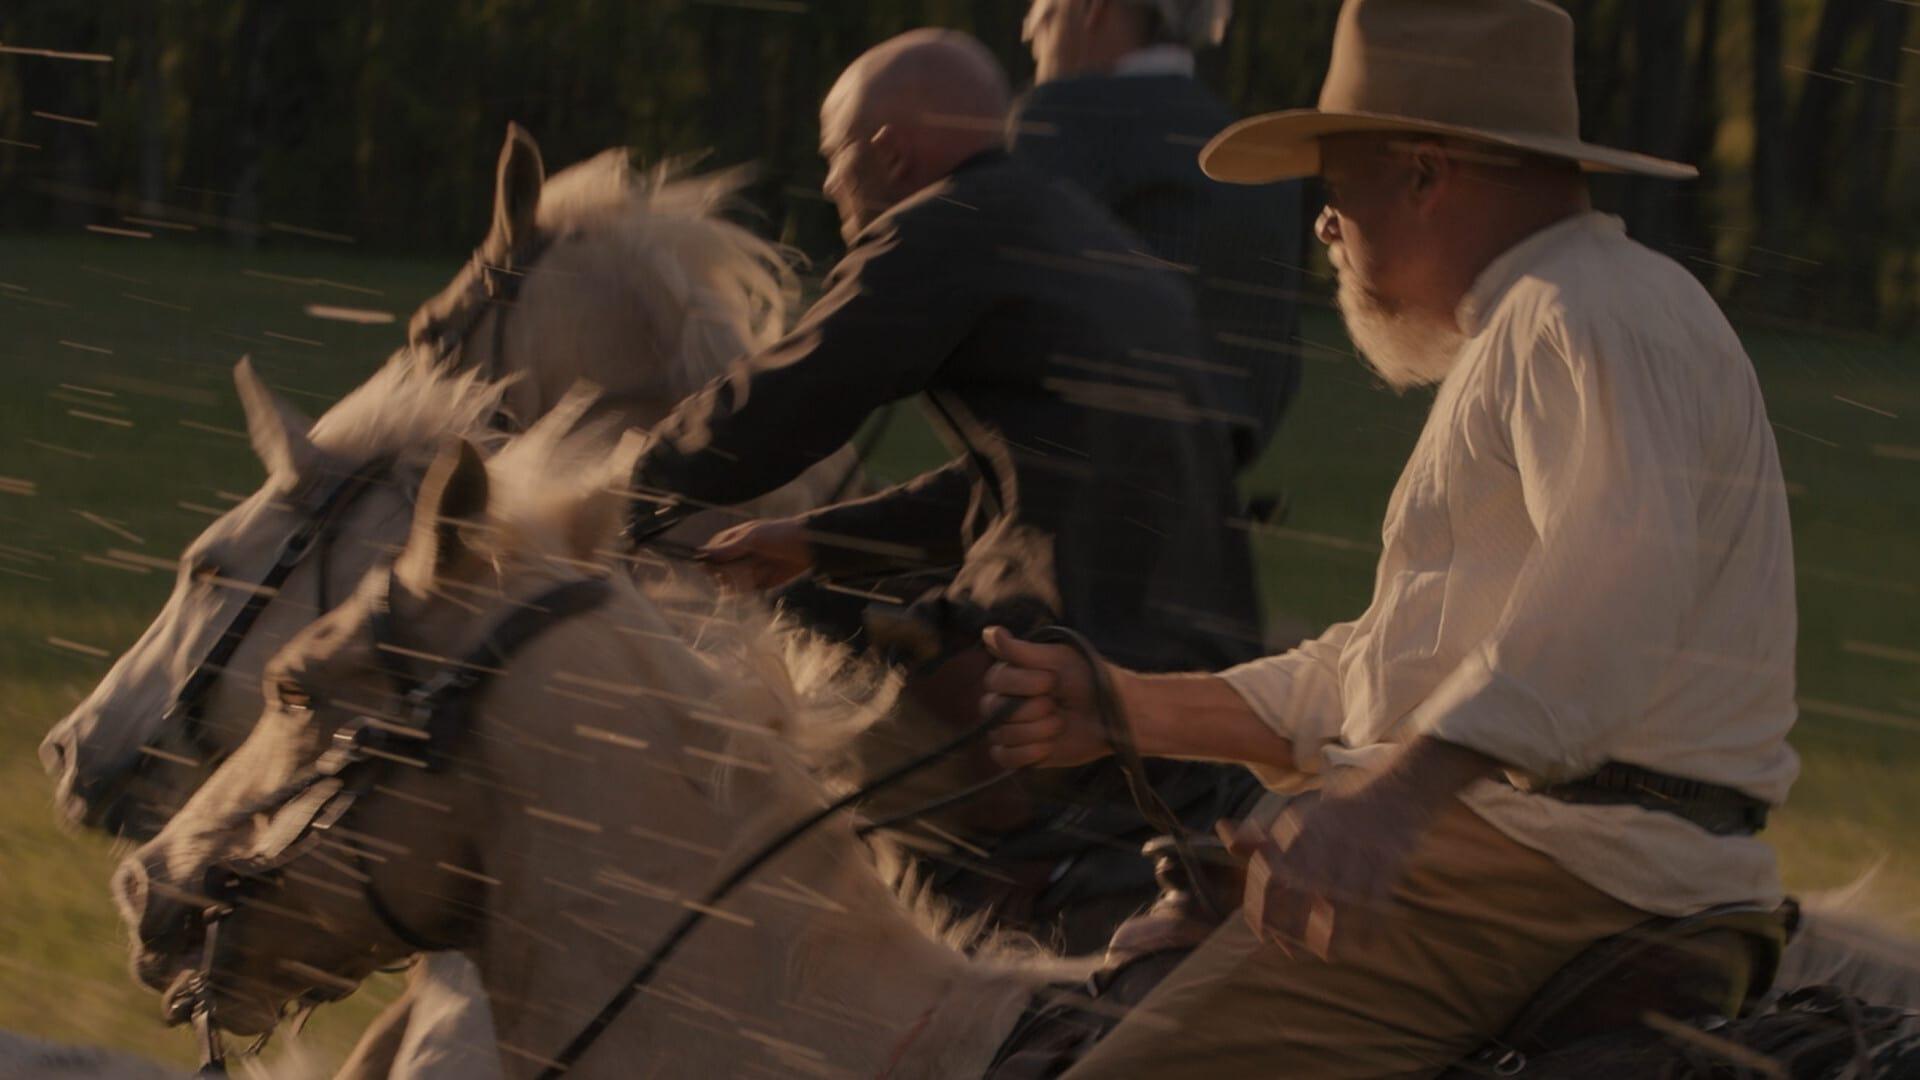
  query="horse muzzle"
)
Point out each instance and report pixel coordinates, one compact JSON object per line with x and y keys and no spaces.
{"x":95,"y":790}
{"x":169,"y":922}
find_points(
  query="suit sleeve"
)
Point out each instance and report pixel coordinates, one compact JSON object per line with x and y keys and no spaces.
{"x":895,"y":308}
{"x":915,"y":524}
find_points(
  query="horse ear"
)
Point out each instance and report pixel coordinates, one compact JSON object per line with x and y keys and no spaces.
{"x":278,"y":430}
{"x":453,"y":498}
{"x":516,"y":195}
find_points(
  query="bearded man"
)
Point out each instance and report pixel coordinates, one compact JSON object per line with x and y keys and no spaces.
{"x":1565,"y":710}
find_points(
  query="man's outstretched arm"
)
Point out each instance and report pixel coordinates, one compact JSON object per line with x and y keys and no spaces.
{"x":1348,"y":847}
{"x":894,"y":310}
{"x":1193,"y":716}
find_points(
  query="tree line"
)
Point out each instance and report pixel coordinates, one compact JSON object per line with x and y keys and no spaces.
{"x":375,"y":123}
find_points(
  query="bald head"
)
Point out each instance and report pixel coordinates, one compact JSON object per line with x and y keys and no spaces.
{"x":905,"y":115}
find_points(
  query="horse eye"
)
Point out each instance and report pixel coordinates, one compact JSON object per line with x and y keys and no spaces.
{"x":292,"y":697}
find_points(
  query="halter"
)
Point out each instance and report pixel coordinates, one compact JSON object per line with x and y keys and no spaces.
{"x":436,"y":710}
{"x":316,"y":532}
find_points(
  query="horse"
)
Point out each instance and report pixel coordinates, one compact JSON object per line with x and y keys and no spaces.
{"x":639,"y":285}
{"x":556,"y":823}
{"x":336,"y":491}
{"x":589,"y":794}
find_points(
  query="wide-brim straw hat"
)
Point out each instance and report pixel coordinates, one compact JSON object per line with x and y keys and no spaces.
{"x":1493,"y":71}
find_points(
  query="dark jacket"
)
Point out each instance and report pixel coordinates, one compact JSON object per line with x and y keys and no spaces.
{"x":1065,"y":365}
{"x":1133,"y":143}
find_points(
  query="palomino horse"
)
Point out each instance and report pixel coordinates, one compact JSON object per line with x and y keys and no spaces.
{"x":573,"y":808}
{"x":639,"y":285}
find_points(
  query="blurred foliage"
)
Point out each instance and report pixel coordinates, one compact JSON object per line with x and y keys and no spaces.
{"x":379,"y":122}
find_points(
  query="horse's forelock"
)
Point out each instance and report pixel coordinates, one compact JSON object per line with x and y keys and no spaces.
{"x":406,"y":409}
{"x":732,"y":289}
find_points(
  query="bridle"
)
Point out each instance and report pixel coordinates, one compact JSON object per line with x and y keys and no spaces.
{"x":436,"y":710}
{"x":187,"y":709}
{"x":496,"y":289}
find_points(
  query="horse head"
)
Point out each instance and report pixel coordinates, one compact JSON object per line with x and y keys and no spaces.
{"x":184,"y":696}
{"x":633,"y":281}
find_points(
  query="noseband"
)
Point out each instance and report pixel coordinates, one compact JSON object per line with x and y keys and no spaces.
{"x":315,"y":533}
{"x":436,"y":710}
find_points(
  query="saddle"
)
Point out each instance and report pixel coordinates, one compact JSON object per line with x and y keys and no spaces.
{"x":1712,"y":966}
{"x":1708,"y":967}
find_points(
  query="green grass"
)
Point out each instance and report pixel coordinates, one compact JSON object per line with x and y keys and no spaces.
{"x":1855,"y":473}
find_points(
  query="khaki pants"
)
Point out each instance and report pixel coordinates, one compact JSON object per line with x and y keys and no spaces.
{"x":1479,"y":924}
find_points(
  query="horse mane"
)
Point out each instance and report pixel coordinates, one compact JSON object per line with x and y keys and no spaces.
{"x":827,"y":697}
{"x":1842,"y":941}
{"x":731,"y":288}
{"x":406,"y":409}
{"x":806,"y":698}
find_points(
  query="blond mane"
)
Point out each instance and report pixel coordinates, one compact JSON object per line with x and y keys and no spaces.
{"x":550,"y":487}
{"x":731,"y":288}
{"x":405,"y":409}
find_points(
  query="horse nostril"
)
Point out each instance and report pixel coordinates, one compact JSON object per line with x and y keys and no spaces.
{"x":56,"y":752}
{"x":130,"y":888}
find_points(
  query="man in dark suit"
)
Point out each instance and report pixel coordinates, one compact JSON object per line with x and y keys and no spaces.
{"x":1064,"y":365}
{"x":1117,"y":110}
{"x":1094,"y":482}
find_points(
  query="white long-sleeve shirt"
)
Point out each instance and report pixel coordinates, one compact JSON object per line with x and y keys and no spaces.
{"x":1587,"y":559}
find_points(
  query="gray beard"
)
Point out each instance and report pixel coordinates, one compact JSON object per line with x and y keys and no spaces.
{"x":1405,"y":352}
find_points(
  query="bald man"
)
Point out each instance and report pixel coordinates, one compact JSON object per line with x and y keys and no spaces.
{"x":1091,"y":486}
{"x":1060,"y":359}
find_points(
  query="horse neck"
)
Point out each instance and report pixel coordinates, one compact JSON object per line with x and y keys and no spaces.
{"x":599,"y":847}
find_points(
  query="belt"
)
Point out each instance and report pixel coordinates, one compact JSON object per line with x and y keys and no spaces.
{"x":1716,"y":808}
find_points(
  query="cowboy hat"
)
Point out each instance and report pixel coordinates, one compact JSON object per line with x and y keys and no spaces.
{"x":1494,"y":71}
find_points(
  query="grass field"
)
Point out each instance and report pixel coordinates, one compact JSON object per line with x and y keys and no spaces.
{"x":118,"y":426}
